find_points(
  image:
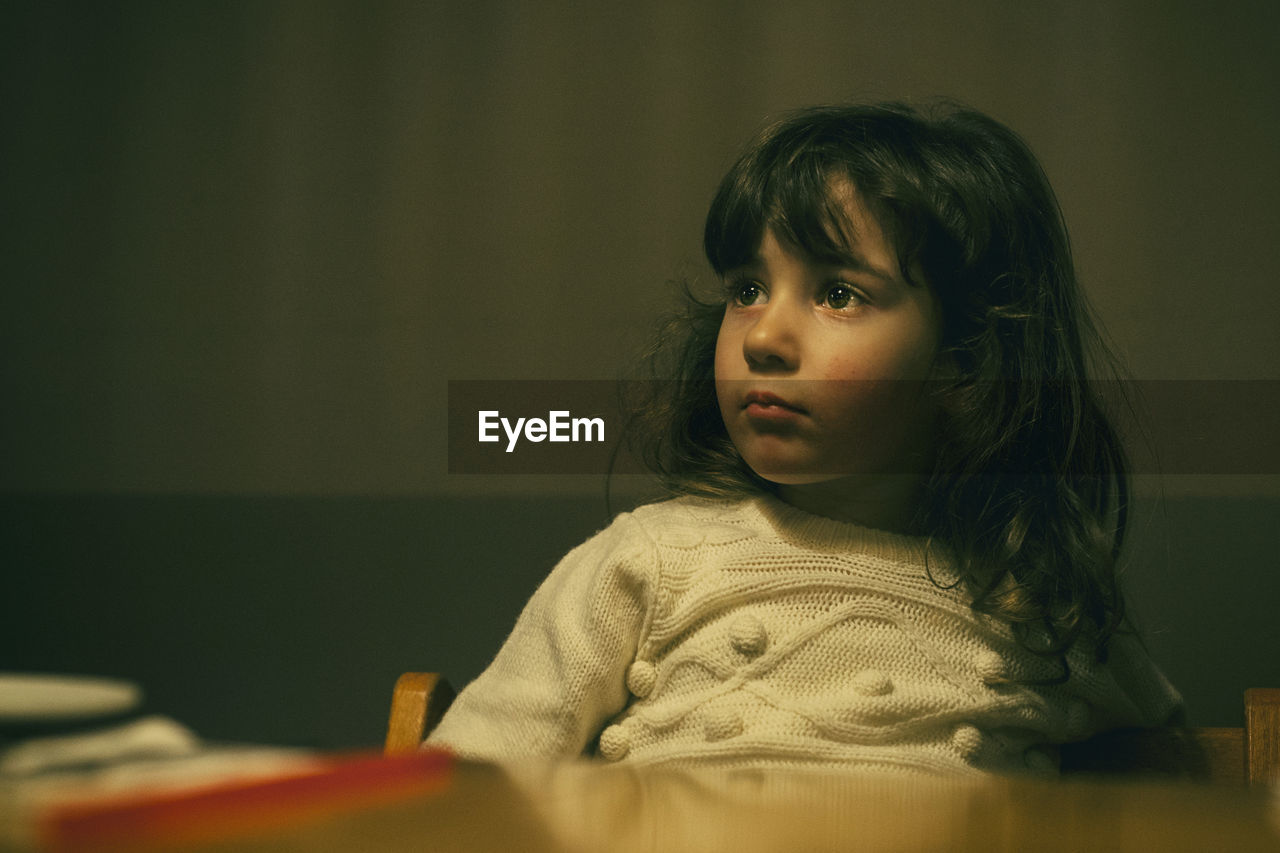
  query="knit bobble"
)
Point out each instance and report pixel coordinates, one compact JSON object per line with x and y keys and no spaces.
{"x":991,"y":667}
{"x":748,"y":635}
{"x":966,"y":739}
{"x":722,"y":724}
{"x":641,"y":677}
{"x":615,"y":743}
{"x":872,"y":682}
{"x":1039,"y":761}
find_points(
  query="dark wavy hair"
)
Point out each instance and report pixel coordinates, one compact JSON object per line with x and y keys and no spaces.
{"x":1029,"y":490}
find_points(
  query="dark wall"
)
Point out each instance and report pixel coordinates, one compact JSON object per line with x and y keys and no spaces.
{"x":248,"y":243}
{"x":273,"y":620}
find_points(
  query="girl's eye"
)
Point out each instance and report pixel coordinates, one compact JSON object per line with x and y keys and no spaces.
{"x":746,"y":292}
{"x":841,"y":296}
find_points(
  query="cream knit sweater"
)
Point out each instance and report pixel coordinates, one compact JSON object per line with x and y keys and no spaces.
{"x":750,"y":633}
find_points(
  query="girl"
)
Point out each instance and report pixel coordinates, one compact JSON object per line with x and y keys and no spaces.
{"x":900,"y":503}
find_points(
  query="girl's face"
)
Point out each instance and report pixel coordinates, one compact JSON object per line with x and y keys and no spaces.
{"x":820,"y":368}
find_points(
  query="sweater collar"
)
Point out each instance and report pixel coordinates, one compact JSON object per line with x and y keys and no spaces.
{"x":814,"y":531}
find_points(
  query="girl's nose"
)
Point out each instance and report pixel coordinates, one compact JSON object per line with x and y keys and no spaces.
{"x":772,"y":342}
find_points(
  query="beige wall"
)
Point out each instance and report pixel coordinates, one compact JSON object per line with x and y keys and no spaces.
{"x":249,"y":242}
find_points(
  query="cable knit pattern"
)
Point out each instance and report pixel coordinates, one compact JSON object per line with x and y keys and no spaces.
{"x":750,"y":633}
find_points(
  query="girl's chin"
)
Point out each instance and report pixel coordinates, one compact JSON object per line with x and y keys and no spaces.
{"x":794,"y":474}
{"x":789,"y":478}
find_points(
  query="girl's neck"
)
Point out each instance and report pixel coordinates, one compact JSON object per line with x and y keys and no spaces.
{"x":883,"y":502}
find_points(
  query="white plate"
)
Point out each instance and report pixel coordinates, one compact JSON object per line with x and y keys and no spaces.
{"x":28,"y":697}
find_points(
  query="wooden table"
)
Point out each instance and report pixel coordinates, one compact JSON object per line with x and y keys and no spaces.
{"x":434,"y":803}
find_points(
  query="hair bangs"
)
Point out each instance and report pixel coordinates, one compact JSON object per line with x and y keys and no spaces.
{"x":809,"y":212}
{"x":790,"y":184}
{"x":801,"y":187}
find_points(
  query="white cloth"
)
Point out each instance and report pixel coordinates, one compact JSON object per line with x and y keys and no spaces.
{"x":748,"y":633}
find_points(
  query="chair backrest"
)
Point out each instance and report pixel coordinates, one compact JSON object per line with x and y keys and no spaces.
{"x":1204,"y":754}
{"x":1250,"y":754}
{"x":417,"y":704}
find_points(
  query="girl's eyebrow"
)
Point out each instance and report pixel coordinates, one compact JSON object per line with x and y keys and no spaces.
{"x":752,"y":264}
{"x":843,"y":261}
{"x":849,"y":260}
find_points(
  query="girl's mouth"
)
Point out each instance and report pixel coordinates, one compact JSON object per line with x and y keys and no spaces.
{"x":762,"y":404}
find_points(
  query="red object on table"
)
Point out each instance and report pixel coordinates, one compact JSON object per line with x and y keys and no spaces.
{"x":237,"y":809}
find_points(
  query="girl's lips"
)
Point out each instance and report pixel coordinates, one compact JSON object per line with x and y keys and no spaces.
{"x":762,"y":404}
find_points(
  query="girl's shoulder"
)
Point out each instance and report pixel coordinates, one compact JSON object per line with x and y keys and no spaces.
{"x":683,"y":522}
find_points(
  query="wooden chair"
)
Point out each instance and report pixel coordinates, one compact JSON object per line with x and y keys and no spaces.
{"x":1229,"y":755}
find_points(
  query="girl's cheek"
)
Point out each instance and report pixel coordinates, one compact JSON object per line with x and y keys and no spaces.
{"x":847,"y":371}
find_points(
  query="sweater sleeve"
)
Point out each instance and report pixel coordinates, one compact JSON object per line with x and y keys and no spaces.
{"x":561,"y":673}
{"x":1150,"y":699}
